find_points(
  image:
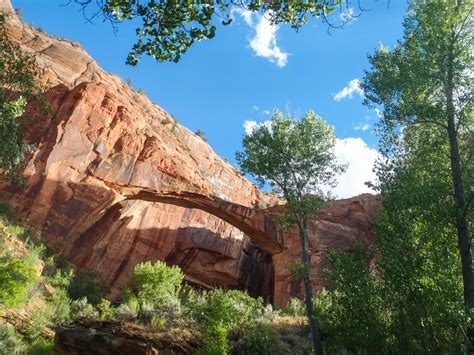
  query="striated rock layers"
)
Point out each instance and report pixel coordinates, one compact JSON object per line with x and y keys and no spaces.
{"x":114,"y":180}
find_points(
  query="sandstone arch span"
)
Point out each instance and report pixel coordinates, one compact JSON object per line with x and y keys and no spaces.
{"x":257,"y":225}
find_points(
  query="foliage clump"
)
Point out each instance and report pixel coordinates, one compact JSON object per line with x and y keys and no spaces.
{"x":89,"y":285}
{"x":17,"y":275}
{"x":154,"y":284}
{"x":17,"y":84}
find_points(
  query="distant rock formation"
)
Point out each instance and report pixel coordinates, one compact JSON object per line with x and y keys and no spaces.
{"x":114,"y":180}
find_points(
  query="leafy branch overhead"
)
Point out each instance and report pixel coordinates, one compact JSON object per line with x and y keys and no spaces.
{"x":17,"y":84}
{"x":168,"y":28}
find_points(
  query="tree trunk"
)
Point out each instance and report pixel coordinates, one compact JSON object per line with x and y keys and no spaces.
{"x":308,"y":288}
{"x":461,"y":222}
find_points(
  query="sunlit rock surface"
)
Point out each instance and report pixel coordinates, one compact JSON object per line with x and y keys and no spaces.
{"x":114,"y":180}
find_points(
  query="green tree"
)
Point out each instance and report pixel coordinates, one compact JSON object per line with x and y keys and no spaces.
{"x":296,"y":158}
{"x":169,"y":28}
{"x":403,"y":295}
{"x":17,"y":75}
{"x":427,"y":80}
{"x":154,"y":284}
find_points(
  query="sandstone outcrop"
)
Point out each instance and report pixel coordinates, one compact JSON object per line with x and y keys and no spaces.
{"x":114,"y":180}
{"x":104,"y":338}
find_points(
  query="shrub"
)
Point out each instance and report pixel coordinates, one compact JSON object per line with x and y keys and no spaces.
{"x":106,"y":311}
{"x":38,"y":320}
{"x":10,"y":343}
{"x":123,"y":313}
{"x":41,"y":347}
{"x":225,"y":312}
{"x":269,"y":313}
{"x":215,"y":339}
{"x":16,"y":231}
{"x":200,"y":133}
{"x":88,"y":284}
{"x":60,"y":306}
{"x":16,"y":277}
{"x":155,"y":284}
{"x":255,"y":340}
{"x":296,"y":308}
{"x":158,"y":323}
{"x":193,"y":302}
{"x":81,"y":309}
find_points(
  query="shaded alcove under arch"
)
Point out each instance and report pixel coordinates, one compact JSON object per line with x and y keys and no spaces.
{"x":211,"y":251}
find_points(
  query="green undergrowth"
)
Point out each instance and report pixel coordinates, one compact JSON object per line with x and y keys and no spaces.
{"x":40,"y":292}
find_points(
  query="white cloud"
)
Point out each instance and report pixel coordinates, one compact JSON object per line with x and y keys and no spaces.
{"x":266,"y":112}
{"x":361,"y":126}
{"x":249,"y":126}
{"x":246,"y":15}
{"x":352,"y":87}
{"x":264,"y":41}
{"x":255,"y":107}
{"x":361,"y":159}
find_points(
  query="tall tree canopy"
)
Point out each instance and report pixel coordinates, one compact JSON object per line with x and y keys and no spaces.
{"x":424,"y":86}
{"x":410,"y":300}
{"x":296,"y":158}
{"x":168,"y":28}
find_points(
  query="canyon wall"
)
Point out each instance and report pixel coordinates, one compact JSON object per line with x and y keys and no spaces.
{"x":114,"y":180}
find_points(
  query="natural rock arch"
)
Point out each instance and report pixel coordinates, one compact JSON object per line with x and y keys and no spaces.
{"x":257,"y":225}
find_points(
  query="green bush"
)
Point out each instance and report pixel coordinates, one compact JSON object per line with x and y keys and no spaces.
{"x":215,"y":339}
{"x":38,"y":320}
{"x":10,"y":342}
{"x":41,"y":347}
{"x":223,"y":313}
{"x":106,"y":311}
{"x":255,"y":340}
{"x":123,"y":313}
{"x":81,"y":309}
{"x":158,"y":323}
{"x":60,"y":306}
{"x":296,"y":308}
{"x":16,"y":277}
{"x":88,"y":284}
{"x":155,"y":284}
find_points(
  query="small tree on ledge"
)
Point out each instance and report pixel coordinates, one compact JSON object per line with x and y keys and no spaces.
{"x":296,"y":158}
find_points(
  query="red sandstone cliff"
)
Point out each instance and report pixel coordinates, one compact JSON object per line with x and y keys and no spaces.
{"x":114,"y":181}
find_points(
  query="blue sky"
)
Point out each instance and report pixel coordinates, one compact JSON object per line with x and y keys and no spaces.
{"x":248,"y":70}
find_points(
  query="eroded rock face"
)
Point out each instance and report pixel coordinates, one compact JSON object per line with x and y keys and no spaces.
{"x":337,"y":226}
{"x":94,"y":151}
{"x":114,"y":181}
